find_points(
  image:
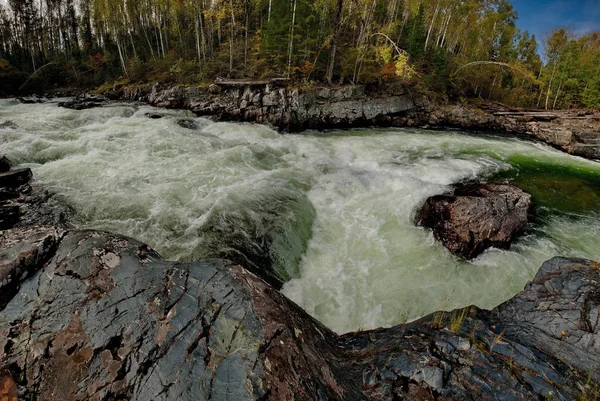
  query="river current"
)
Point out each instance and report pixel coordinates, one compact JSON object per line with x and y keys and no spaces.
{"x":335,"y":209}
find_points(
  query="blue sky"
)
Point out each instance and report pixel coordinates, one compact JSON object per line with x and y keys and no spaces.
{"x":542,"y":16}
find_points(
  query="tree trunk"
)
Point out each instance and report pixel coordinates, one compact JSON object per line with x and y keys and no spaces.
{"x":431,"y":25}
{"x":291,"y":43}
{"x":333,"y":48}
{"x":556,"y":97}
{"x":231,"y":39}
{"x":550,"y":84}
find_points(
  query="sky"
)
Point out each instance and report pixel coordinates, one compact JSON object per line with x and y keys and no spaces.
{"x":540,"y":17}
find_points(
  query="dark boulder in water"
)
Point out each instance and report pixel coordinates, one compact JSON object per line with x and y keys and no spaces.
{"x":79,"y":105}
{"x":154,"y":116}
{"x":477,"y":217}
{"x":8,"y":124}
{"x":15,"y":178}
{"x":83,"y":102}
{"x":5,"y":164}
{"x":32,"y":100}
{"x":186,"y":123}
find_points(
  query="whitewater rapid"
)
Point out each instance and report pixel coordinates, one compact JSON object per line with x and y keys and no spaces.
{"x":336,"y":210}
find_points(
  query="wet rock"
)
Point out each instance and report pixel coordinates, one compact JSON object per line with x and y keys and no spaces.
{"x":8,"y":124}
{"x":15,"y":178}
{"x":9,"y":216}
{"x":5,"y":164}
{"x":31,"y":100}
{"x":40,"y":207}
{"x":92,"y":315}
{"x":79,"y":105}
{"x":8,"y":194}
{"x":186,"y":123}
{"x":154,"y":116}
{"x":84,"y":102}
{"x":23,"y":251}
{"x":477,"y":217}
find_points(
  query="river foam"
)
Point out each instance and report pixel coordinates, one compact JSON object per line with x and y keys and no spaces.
{"x":334,"y":213}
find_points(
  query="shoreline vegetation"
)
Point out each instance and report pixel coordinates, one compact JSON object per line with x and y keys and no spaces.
{"x":447,"y":50}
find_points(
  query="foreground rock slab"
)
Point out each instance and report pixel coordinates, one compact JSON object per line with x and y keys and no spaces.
{"x":477,"y":217}
{"x":108,"y":319}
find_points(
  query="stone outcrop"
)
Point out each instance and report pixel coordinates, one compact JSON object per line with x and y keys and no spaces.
{"x":21,"y":205}
{"x":293,"y":109}
{"x":275,"y":104}
{"x":477,"y":217}
{"x":576,"y":132}
{"x":96,"y":316}
{"x":84,"y":102}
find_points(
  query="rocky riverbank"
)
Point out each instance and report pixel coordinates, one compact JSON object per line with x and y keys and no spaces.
{"x":293,"y":109}
{"x":92,"y":315}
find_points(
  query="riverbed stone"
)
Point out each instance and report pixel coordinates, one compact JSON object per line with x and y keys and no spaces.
{"x":477,"y":217}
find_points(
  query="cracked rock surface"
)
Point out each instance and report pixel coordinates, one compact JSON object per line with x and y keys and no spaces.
{"x":108,"y":319}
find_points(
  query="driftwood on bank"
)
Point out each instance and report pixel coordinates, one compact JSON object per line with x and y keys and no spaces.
{"x":246,"y":82}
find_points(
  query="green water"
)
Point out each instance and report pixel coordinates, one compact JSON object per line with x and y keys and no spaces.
{"x":557,"y":187}
{"x":333,"y":211}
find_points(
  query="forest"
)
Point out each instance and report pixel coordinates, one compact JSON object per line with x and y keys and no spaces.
{"x":445,"y":48}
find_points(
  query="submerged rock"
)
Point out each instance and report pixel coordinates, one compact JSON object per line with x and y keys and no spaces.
{"x":186,"y":123}
{"x":8,"y":124}
{"x":154,"y":116}
{"x":32,"y":100}
{"x":477,"y":217}
{"x":79,"y":105}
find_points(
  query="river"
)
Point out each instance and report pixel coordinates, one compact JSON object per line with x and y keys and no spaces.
{"x":334,"y":209}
